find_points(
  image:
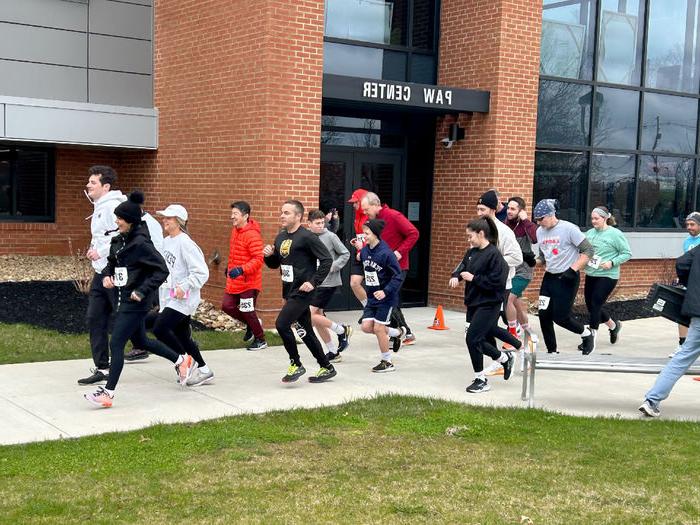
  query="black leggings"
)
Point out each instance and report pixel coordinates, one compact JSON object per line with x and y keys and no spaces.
{"x":561,"y":290}
{"x":597,"y":291}
{"x":131,"y":325}
{"x":482,"y":320}
{"x":173,"y":329}
{"x":297,"y":310}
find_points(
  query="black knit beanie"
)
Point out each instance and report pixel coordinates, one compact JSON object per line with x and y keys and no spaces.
{"x":130,"y":210}
{"x":376,"y":226}
{"x":489,"y":199}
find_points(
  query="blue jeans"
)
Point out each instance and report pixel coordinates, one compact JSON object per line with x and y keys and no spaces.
{"x":678,"y":365}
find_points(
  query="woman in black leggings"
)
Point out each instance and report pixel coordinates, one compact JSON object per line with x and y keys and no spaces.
{"x":485,"y":272}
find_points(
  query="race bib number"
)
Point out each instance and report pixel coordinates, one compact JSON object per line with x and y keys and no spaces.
{"x":543,"y":302}
{"x":371,"y":278}
{"x":287,"y":273}
{"x":246,"y":305}
{"x":121,"y":276}
{"x":594,"y":262}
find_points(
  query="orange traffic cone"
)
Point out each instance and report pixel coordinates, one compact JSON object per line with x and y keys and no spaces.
{"x":439,"y":321}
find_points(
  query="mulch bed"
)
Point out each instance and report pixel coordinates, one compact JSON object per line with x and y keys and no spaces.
{"x":54,"y":305}
{"x":619,"y":310}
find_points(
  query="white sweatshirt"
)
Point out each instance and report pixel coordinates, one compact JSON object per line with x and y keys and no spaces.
{"x":510,"y":250}
{"x":188,"y":270}
{"x":103,"y":220}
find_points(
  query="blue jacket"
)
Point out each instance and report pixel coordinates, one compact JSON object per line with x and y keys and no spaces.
{"x":382,"y":272}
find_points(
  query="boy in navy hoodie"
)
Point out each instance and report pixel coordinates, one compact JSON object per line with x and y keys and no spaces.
{"x":382,"y":281}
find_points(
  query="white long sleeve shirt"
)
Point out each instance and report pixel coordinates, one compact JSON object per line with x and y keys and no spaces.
{"x":188,"y":270}
{"x":103,"y":221}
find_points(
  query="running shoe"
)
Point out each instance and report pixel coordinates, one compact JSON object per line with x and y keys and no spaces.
{"x":508,"y":366}
{"x":649,"y":409}
{"x":323,"y":374}
{"x":185,"y":369}
{"x":479,"y":386}
{"x":248,"y":336}
{"x":396,"y":341}
{"x":383,"y":367}
{"x":334,"y":357}
{"x":615,"y":332}
{"x":344,"y":338}
{"x":136,"y":355}
{"x":257,"y":344}
{"x":409,"y":339}
{"x":294,"y":372}
{"x":96,"y":377}
{"x":200,"y":378}
{"x":99,"y":398}
{"x":588,"y":343}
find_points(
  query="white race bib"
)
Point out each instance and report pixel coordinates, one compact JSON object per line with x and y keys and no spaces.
{"x":121,"y":276}
{"x":371,"y":278}
{"x":543,"y":302}
{"x":594,"y":262}
{"x":287,"y":273}
{"x":246,"y":305}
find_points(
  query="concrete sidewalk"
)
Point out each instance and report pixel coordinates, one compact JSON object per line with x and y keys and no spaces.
{"x":42,"y":401}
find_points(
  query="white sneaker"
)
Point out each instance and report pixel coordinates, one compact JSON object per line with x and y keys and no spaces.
{"x":200,"y":378}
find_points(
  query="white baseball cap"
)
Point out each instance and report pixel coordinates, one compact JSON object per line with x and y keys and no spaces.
{"x":174,"y":210}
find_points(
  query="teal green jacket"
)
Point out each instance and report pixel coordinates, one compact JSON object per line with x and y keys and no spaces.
{"x":611,"y":245}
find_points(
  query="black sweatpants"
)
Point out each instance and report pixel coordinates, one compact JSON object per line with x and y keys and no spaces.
{"x":482,"y":320}
{"x":297,"y":310}
{"x":397,"y":318}
{"x":559,"y":292}
{"x":173,"y":328}
{"x":131,"y":325}
{"x":597,"y":290}
{"x":101,"y":303}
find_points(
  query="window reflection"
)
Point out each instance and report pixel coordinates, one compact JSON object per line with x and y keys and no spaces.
{"x":669,"y":123}
{"x":379,"y":21}
{"x":665,"y":191}
{"x":672,"y":61}
{"x":423,"y":23}
{"x":563,"y":113}
{"x":620,"y":41}
{"x":567,"y":38}
{"x":562,"y":176}
{"x":615,"y":118}
{"x":358,"y":61}
{"x":612,"y":185}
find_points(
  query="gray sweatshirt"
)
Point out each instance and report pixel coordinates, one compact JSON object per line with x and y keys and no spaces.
{"x":340,"y":255}
{"x":188,"y":270}
{"x":510,"y":250}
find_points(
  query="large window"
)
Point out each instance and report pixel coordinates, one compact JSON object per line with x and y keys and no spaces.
{"x":384,"y":39}
{"x":26,"y":184}
{"x":617,"y":119}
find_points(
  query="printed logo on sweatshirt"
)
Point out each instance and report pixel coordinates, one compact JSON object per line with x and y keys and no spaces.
{"x":286,"y":247}
{"x":169,"y":258}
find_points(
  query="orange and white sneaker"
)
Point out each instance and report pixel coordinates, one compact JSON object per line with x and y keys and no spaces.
{"x":185,"y":369}
{"x":99,"y":398}
{"x":410,"y":339}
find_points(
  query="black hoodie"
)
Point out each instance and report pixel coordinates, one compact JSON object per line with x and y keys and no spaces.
{"x":490,"y":272}
{"x":688,"y":270}
{"x":136,"y":266}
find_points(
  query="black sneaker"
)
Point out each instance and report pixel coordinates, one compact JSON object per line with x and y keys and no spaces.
{"x":248,"y":336}
{"x":478,"y":386}
{"x":294,"y":372}
{"x":588,"y":343}
{"x":581,"y":347}
{"x":397,"y":341}
{"x":334,"y":358}
{"x":508,"y":366}
{"x":323,"y":374}
{"x":136,"y":355}
{"x":615,"y":332}
{"x":344,"y":338}
{"x":96,"y":377}
{"x":257,"y":344}
{"x":383,"y":367}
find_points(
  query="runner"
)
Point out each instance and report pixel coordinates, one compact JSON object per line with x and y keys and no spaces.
{"x":383,"y":278}
{"x":136,"y":269}
{"x":485,"y":273}
{"x":101,"y":301}
{"x":603,"y":270}
{"x":401,"y":236}
{"x":244,"y":274}
{"x":692,"y":226}
{"x":356,"y":272}
{"x":323,"y":294}
{"x":564,"y":250}
{"x":304,"y":263}
{"x":180,"y":294}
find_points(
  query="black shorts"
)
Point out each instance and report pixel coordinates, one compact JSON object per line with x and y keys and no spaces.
{"x":322,"y":296}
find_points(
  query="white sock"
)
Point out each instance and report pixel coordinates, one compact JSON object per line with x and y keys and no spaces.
{"x":614,"y":324}
{"x":338,"y":328}
{"x":110,"y":392}
{"x":393,"y":332}
{"x":331,"y":347}
{"x":386,"y":356}
{"x":586,"y":332}
{"x":204,"y":369}
{"x":480,"y":375}
{"x":180,"y":359}
{"x":105,"y":371}
{"x":363,"y":302}
{"x":503,"y":358}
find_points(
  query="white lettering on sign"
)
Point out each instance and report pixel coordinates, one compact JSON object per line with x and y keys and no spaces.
{"x":437,"y":96}
{"x":383,"y":91}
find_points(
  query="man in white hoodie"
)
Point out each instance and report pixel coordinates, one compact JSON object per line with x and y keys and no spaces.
{"x":103,"y":227}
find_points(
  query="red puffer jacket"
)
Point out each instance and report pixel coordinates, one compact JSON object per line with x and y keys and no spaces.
{"x":245,"y":250}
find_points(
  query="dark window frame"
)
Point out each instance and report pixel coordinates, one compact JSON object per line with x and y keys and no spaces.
{"x":49,"y":194}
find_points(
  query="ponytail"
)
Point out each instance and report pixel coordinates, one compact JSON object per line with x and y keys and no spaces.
{"x":603,"y":212}
{"x":486,"y":225}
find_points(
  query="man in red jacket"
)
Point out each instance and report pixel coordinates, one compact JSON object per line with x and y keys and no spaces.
{"x":244,"y":274}
{"x":401,"y":236}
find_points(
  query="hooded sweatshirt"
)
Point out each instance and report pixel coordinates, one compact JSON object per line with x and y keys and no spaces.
{"x":340,"y":255}
{"x":188,"y":270}
{"x":103,"y":224}
{"x":246,"y":251}
{"x":382,"y":272}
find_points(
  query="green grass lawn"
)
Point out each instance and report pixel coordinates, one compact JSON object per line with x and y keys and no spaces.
{"x":387,"y":460}
{"x":21,"y":343}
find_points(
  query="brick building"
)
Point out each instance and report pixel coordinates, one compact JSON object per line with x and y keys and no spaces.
{"x":203,"y":102}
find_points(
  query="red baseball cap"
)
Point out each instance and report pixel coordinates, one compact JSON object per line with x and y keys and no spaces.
{"x":357,"y":195}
